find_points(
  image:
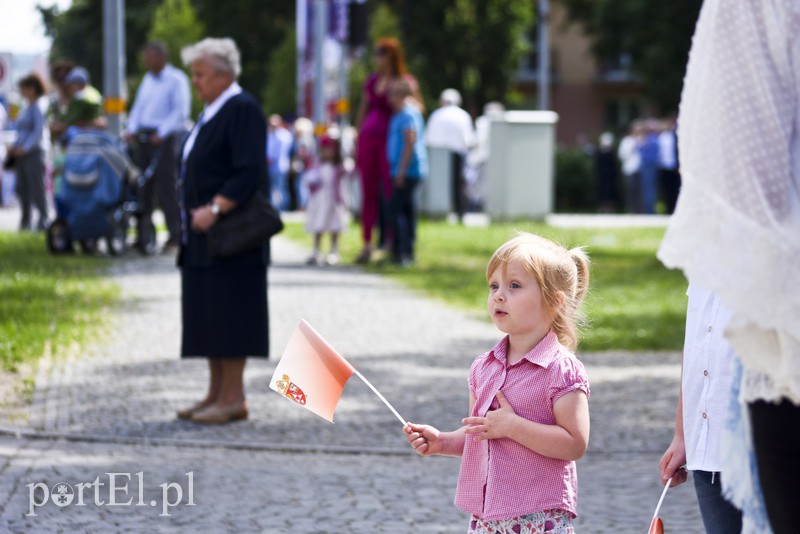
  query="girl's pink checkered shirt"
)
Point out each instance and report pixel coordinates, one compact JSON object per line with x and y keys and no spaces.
{"x":500,"y":478}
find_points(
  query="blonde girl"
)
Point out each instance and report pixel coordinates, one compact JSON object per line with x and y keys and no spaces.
{"x":529,"y":410}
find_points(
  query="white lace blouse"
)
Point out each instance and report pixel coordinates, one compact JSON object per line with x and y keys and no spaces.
{"x":736,"y":228}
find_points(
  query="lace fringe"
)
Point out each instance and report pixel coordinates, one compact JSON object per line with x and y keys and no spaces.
{"x":740,"y":483}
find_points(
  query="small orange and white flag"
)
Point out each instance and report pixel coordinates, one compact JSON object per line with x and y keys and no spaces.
{"x":313,"y":374}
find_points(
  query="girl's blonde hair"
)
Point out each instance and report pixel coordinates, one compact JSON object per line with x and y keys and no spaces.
{"x":558,"y":271}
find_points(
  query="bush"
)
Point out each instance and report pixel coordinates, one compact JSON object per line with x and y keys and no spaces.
{"x":575,"y":184}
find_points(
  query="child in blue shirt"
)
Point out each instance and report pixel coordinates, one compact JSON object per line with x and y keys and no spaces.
{"x":408,"y":164}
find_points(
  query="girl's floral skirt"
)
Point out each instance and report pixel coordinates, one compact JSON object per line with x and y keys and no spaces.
{"x":547,"y":521}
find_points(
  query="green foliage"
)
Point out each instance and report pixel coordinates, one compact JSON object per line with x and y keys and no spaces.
{"x":47,"y":300}
{"x":78,"y":33}
{"x":257,"y":26}
{"x":474,"y":47}
{"x":657,"y":35}
{"x":383,"y":22}
{"x":634,"y":302}
{"x":175,"y":24}
{"x":280,"y":93}
{"x":575,"y":181}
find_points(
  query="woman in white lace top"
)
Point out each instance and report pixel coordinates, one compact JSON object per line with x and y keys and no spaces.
{"x":736,"y":229}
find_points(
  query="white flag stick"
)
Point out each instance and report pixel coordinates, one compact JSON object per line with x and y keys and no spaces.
{"x":378,"y":393}
{"x":661,"y":500}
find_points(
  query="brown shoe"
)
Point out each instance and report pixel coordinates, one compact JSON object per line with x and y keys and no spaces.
{"x":188,"y":412}
{"x":214,"y":415}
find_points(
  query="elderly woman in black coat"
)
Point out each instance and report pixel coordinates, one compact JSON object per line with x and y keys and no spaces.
{"x":224,"y":300}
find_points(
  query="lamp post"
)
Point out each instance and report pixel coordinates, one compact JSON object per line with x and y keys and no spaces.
{"x":544,"y":54}
{"x":114,"y":63}
{"x":320,"y":31}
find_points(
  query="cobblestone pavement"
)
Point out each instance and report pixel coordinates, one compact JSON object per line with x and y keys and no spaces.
{"x":111,"y":410}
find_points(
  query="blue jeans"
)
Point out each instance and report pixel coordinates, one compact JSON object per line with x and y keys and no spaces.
{"x":404,"y":217}
{"x":279,"y":189}
{"x":648,"y":174}
{"x":719,"y":516}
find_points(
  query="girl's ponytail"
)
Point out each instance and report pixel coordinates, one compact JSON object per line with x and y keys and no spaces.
{"x":581,"y":261}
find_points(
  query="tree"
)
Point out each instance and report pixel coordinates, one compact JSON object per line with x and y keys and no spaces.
{"x":474,"y":47}
{"x":175,"y":24}
{"x":78,"y":33}
{"x":257,"y":26}
{"x":656,"y":36}
{"x":280,"y":91}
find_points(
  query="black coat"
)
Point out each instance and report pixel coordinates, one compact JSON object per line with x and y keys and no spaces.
{"x":224,"y":301}
{"x":229,"y":159}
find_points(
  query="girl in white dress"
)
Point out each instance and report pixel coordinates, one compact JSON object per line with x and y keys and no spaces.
{"x":325,"y":211}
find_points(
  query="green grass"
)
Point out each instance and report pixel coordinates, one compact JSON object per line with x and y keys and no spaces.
{"x":48,"y":301}
{"x":634,"y":303}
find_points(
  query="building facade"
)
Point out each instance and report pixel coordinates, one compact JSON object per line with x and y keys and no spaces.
{"x":588,"y":96}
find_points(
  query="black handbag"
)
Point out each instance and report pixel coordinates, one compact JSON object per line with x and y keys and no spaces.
{"x":246,"y":227}
{"x":10,"y":162}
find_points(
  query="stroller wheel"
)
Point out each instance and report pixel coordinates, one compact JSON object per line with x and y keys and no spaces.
{"x":58,"y":240}
{"x":88,"y":246}
{"x":146,"y":236}
{"x":117,"y":233}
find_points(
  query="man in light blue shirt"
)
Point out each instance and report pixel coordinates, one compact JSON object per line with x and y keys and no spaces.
{"x":156,"y":127}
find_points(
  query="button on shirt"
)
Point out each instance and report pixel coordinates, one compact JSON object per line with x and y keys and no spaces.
{"x":500,"y":478}
{"x":162,"y":102}
{"x":706,"y":380}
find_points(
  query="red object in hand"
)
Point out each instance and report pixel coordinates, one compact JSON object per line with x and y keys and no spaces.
{"x":656,"y":526}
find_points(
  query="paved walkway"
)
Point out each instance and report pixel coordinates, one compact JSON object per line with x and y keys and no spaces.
{"x":110,"y":410}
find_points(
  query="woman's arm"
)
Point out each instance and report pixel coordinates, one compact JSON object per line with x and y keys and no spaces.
{"x":362,"y":110}
{"x":566,"y":440}
{"x":673,"y":460}
{"x":245,"y":165}
{"x":203,"y":217}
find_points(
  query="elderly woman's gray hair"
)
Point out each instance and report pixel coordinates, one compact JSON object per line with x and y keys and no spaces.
{"x":223,"y":52}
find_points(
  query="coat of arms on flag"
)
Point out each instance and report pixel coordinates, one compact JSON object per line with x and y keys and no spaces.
{"x":289,"y":389}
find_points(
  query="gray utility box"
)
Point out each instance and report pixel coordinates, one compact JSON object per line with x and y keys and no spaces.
{"x":520,"y":169}
{"x":436,"y":188}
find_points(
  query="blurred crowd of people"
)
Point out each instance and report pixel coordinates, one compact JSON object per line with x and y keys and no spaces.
{"x":42,"y":125}
{"x":375,"y":168}
{"x":377,"y":179}
{"x":647,"y":160}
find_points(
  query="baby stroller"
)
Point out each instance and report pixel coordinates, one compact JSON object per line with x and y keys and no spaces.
{"x":98,"y":198}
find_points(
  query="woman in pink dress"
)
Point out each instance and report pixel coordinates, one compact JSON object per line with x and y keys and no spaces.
{"x":372,"y":122}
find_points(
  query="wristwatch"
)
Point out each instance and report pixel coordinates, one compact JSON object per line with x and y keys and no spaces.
{"x":215,"y":209}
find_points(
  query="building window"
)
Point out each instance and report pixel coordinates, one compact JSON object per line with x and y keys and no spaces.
{"x":529,"y":65}
{"x":620,"y":112}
